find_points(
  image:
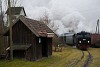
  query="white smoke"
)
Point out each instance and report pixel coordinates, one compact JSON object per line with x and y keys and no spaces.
{"x":63,"y":17}
{"x":73,"y":20}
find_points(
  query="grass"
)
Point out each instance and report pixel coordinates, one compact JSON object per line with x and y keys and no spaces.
{"x":66,"y":57}
{"x":81,"y":63}
{"x":23,"y":63}
{"x":96,"y":57}
{"x":58,"y":59}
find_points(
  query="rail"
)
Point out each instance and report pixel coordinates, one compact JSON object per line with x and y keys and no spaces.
{"x":77,"y":61}
{"x":87,"y":61}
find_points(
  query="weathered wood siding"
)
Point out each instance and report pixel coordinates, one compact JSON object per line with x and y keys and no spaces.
{"x":23,"y":36}
{"x":49,"y":46}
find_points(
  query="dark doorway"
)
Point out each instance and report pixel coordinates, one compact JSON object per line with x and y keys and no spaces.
{"x":19,"y":53}
{"x":44,"y":46}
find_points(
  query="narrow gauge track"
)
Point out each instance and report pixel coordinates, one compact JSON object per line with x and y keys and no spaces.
{"x":77,"y":61}
{"x":87,"y":62}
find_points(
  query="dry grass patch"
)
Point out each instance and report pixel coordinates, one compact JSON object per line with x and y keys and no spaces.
{"x":96,"y":57}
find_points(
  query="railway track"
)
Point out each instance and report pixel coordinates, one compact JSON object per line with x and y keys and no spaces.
{"x":74,"y":63}
{"x":87,"y":61}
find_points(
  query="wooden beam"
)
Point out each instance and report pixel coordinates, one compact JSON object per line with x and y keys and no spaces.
{"x":10,"y":20}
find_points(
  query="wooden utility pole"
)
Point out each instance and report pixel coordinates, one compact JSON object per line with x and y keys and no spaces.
{"x":10,"y":20}
{"x":97,"y":27}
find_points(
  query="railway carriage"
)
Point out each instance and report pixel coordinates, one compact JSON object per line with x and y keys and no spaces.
{"x":95,"y":40}
{"x":67,"y":38}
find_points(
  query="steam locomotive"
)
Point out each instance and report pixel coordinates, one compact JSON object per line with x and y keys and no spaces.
{"x":82,"y":40}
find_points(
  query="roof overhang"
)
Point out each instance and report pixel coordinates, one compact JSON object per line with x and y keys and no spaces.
{"x":19,"y":47}
{"x":50,"y":34}
{"x":45,"y":34}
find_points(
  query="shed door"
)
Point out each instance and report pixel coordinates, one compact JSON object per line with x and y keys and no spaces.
{"x":44,"y":46}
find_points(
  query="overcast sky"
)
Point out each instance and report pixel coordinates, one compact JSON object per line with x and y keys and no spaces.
{"x":67,"y":14}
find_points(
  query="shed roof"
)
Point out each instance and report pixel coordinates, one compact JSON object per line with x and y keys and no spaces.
{"x":37,"y":27}
{"x":19,"y":47}
{"x":16,"y":10}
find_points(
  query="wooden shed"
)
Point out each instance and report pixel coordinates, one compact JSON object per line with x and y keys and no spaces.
{"x":31,"y":39}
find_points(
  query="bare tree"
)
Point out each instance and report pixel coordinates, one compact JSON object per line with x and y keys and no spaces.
{"x":50,"y":23}
{"x":2,"y":14}
{"x":14,"y":3}
{"x":52,"y":26}
{"x":0,"y":6}
{"x":45,"y":18}
{"x":1,"y":29}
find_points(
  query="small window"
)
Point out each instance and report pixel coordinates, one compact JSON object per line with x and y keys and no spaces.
{"x":39,"y":40}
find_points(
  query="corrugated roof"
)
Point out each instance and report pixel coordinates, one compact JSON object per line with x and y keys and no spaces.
{"x":37,"y":27}
{"x":15,"y":10}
